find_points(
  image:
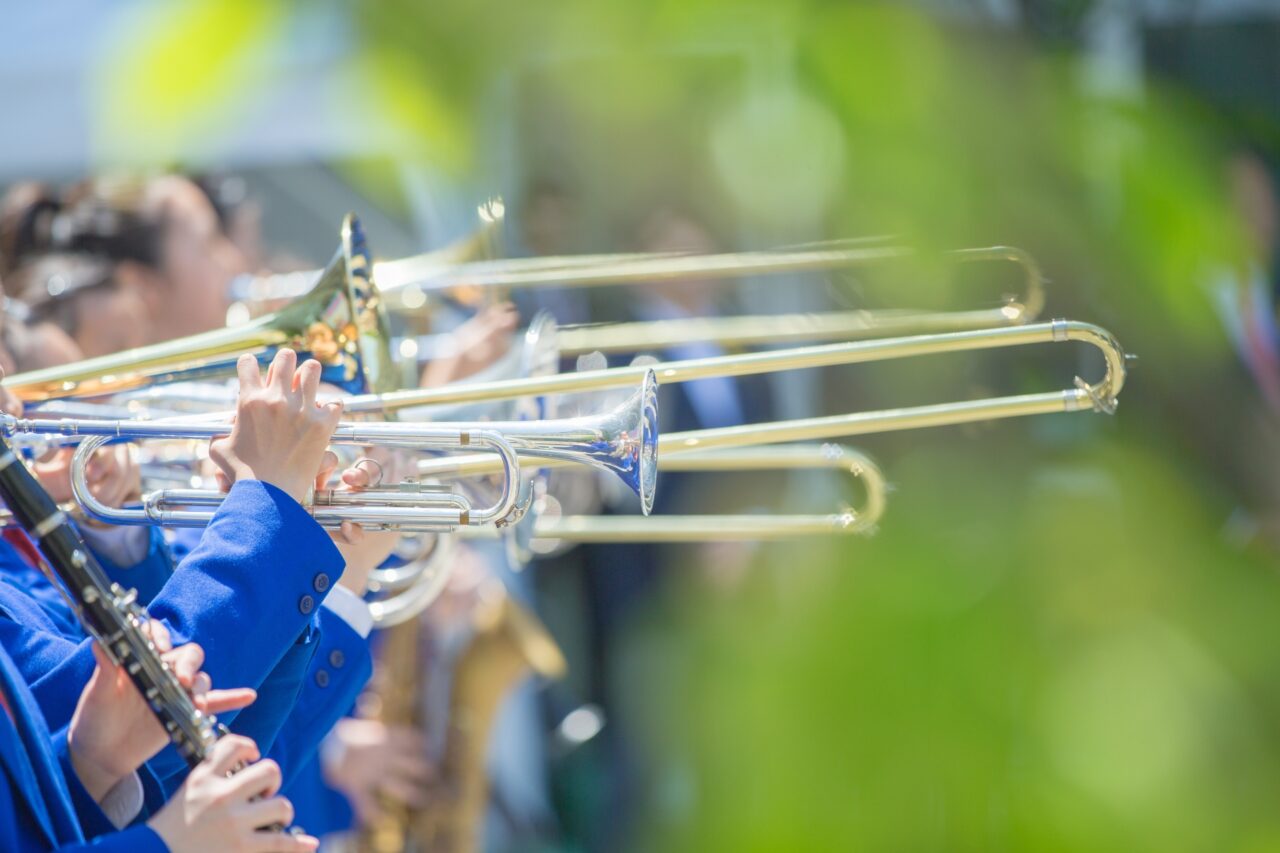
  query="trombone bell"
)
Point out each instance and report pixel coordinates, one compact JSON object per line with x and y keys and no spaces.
{"x":340,"y":322}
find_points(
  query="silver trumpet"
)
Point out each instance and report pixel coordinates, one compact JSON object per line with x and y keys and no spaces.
{"x":623,"y":440}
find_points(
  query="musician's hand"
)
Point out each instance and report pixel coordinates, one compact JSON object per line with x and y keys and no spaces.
{"x":477,"y":343}
{"x":225,"y":801}
{"x":9,"y":402}
{"x":112,"y":473}
{"x":363,"y":550}
{"x":113,"y":731}
{"x":280,"y":432}
{"x":373,"y":760}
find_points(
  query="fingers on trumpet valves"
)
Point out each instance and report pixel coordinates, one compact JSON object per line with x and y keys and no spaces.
{"x":367,"y":472}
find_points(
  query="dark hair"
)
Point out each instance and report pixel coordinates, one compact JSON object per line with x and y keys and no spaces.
{"x":227,"y":193}
{"x":25,"y":212}
{"x":96,"y":218}
{"x":49,"y":285}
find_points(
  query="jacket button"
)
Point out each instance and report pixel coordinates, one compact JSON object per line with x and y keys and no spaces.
{"x":337,"y":658}
{"x":322,"y":678}
{"x":321,"y":583}
{"x":306,"y":604}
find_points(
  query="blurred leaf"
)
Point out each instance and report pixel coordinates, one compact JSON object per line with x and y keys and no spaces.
{"x":176,"y":73}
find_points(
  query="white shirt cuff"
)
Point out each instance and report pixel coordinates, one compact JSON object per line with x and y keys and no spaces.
{"x":123,"y":545}
{"x":348,"y":607}
{"x":123,"y":802}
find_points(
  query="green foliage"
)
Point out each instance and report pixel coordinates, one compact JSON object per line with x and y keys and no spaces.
{"x":1049,"y":646}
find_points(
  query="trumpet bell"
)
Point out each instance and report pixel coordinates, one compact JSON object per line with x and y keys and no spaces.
{"x":644,"y":429}
{"x":340,"y":322}
{"x":623,"y":441}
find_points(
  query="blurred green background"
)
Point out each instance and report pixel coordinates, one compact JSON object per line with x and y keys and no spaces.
{"x":1066,"y":633}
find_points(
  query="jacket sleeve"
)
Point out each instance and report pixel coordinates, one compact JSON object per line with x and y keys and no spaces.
{"x":135,"y":839}
{"x":246,"y":594}
{"x":318,"y":808}
{"x":248,"y":590}
{"x":261,"y":721}
{"x":340,"y":670}
{"x":94,"y":823}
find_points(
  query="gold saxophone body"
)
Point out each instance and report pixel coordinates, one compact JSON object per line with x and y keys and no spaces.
{"x":505,"y":644}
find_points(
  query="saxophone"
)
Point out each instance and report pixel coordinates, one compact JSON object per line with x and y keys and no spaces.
{"x":504,"y":643}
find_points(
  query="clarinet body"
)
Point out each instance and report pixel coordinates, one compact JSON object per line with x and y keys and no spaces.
{"x":107,"y":611}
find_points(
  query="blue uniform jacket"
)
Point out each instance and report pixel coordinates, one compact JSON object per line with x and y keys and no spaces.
{"x":318,"y":808}
{"x":321,"y":674}
{"x":40,"y":796}
{"x":248,"y":594}
{"x":324,"y":685}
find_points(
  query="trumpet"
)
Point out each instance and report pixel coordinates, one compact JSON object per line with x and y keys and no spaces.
{"x":736,"y":528}
{"x":623,"y":441}
{"x":340,"y":322}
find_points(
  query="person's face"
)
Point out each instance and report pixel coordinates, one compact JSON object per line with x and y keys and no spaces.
{"x":106,"y":322}
{"x":49,"y":346}
{"x":198,"y":261}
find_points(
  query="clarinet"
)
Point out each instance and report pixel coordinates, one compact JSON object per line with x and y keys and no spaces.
{"x":108,"y":612}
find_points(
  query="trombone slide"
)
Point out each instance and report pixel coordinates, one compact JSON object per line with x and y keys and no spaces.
{"x":737,"y":528}
{"x":753,"y":363}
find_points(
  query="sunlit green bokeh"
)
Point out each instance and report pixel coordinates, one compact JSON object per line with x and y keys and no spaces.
{"x":1055,"y":642}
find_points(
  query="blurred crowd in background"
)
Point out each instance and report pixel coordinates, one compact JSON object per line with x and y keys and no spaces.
{"x":1066,"y":632}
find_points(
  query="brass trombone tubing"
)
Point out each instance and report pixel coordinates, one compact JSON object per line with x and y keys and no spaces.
{"x":404,"y":273}
{"x":339,"y":321}
{"x":747,"y":364}
{"x":600,"y":529}
{"x":737,"y":528}
{"x":641,"y":269}
{"x":746,"y":331}
{"x":749,"y":331}
{"x":788,"y":328}
{"x":644,"y":269}
{"x":1099,"y":396}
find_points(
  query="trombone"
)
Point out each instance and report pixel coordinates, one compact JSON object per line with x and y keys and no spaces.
{"x":746,"y":331}
{"x":623,"y":441}
{"x":401,"y":594}
{"x":340,"y":322}
{"x":1098,"y":396}
{"x":736,"y":528}
{"x":402,"y":278}
{"x":736,"y":332}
